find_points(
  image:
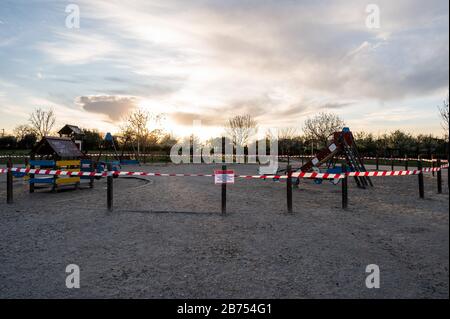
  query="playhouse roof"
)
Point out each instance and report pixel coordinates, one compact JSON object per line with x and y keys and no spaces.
{"x":70,"y":129}
{"x":61,"y":147}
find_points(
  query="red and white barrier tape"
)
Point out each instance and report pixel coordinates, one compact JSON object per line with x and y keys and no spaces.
{"x":312,"y":175}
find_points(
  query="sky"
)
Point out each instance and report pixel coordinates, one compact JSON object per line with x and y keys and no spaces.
{"x":280,"y":61}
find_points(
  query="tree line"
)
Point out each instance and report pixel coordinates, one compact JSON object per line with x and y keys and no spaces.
{"x":136,"y":135}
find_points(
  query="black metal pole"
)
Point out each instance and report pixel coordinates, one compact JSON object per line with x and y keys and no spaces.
{"x":344,"y":188}
{"x":92,"y":169}
{"x":439,"y":177}
{"x":109,"y":192}
{"x":392,"y":163}
{"x":224,"y":192}
{"x":420,"y":178}
{"x":406,"y":162}
{"x":289,"y":188}
{"x":377,"y":163}
{"x":9,"y":183}
{"x":32,"y":157}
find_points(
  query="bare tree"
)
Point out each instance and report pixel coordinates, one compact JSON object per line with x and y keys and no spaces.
{"x":42,"y":122}
{"x":287,"y":138}
{"x":23,"y":130}
{"x":136,"y":128}
{"x":287,"y":133}
{"x":241,"y":128}
{"x":320,"y":127}
{"x":444,"y":111}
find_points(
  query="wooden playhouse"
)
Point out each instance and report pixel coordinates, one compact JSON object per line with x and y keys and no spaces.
{"x":58,"y":153}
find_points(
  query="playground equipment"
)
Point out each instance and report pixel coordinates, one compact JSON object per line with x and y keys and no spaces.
{"x":58,"y":153}
{"x":109,"y":144}
{"x":74,"y":133}
{"x":340,"y":145}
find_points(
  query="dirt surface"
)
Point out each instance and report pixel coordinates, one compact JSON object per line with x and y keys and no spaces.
{"x":166,"y":238}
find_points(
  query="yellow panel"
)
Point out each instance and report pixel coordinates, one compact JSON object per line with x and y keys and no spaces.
{"x":68,"y":163}
{"x":67,"y":180}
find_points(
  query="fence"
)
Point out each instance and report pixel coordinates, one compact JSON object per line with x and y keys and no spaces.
{"x":110,"y":174}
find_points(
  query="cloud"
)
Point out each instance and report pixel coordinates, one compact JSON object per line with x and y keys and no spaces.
{"x":187,"y":119}
{"x":115,"y":107}
{"x":316,"y":48}
{"x":77,"y":48}
{"x":280,"y":61}
{"x":265,"y":111}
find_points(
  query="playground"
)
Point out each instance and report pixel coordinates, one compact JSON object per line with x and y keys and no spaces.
{"x":167,"y":238}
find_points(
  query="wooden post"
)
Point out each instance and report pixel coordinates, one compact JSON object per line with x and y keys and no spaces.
{"x":9,"y":183}
{"x":224,"y":149}
{"x":344,"y":188}
{"x":109,"y":192}
{"x":439,"y":177}
{"x":224,"y":193}
{"x":289,"y":188}
{"x":377,"y":163}
{"x":92,"y":168}
{"x":32,"y":157}
{"x":420,"y":178}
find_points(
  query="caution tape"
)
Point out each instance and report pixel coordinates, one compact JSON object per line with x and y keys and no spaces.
{"x":305,"y":175}
{"x":37,"y":171}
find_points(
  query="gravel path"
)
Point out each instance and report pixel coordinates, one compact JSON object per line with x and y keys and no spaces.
{"x":167,"y":239}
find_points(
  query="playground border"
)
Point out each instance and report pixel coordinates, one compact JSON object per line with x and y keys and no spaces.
{"x":111,"y":174}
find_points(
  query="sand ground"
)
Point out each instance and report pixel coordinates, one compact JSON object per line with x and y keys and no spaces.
{"x":166,"y":238}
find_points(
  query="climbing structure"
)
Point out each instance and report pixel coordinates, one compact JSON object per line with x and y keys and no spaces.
{"x":341,"y":145}
{"x":108,"y":144}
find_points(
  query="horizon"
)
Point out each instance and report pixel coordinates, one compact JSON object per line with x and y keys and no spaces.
{"x":211,"y":60}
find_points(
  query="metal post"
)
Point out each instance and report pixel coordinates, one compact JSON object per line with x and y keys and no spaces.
{"x":32,"y":157}
{"x":224,"y":193}
{"x":377,"y":163}
{"x":392,"y":163}
{"x":439,"y":177}
{"x":9,"y":183}
{"x":223,"y":149}
{"x":289,"y":188}
{"x":109,"y":192}
{"x":406,"y":162}
{"x":344,"y":188}
{"x":421,"y":189}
